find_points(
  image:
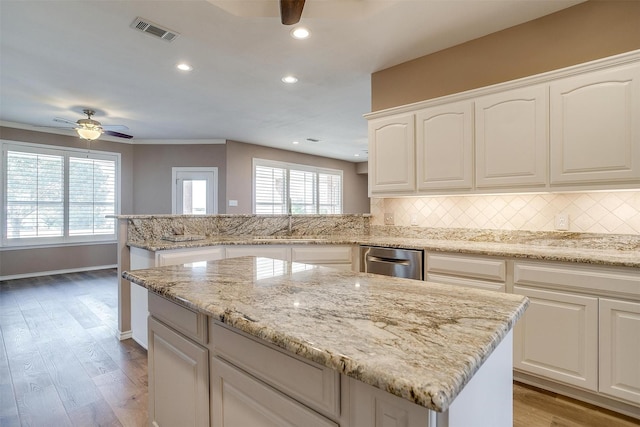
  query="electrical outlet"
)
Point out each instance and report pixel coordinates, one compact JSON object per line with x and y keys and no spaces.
{"x":562,"y":222}
{"x":414,"y":219}
{"x":388,"y":218}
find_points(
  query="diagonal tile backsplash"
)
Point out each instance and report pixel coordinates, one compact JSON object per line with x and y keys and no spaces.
{"x":593,"y":212}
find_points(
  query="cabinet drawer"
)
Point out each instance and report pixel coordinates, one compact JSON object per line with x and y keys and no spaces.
{"x":584,"y":278}
{"x":314,"y":385}
{"x":238,"y":399}
{"x":321,"y":255}
{"x":467,"y":266}
{"x":188,"y":322}
{"x":182,"y":256}
{"x":468,"y":283}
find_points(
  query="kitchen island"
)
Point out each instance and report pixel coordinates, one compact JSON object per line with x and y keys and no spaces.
{"x":293,"y":343}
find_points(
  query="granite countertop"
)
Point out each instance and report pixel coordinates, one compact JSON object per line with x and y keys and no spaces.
{"x":417,"y":340}
{"x":568,"y":247}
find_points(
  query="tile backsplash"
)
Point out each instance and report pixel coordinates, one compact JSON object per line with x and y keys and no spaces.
{"x":592,"y":212}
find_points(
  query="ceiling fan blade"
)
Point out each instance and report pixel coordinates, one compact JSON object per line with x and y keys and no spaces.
{"x":117,"y":134}
{"x":291,"y":11}
{"x":114,"y":127}
{"x":61,"y":120}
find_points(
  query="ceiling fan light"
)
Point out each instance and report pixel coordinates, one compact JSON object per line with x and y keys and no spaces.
{"x":89,"y":133}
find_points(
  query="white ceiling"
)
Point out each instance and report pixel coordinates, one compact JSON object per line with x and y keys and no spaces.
{"x":58,"y":57}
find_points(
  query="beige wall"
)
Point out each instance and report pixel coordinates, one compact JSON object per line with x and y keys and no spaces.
{"x":588,"y":31}
{"x":152,"y":173}
{"x":240,"y":175}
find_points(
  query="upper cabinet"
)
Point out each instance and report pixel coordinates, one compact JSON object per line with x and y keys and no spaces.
{"x":566,"y":130}
{"x":392,"y":154}
{"x":444,"y":147}
{"x":511,"y":138}
{"x":595,"y":127}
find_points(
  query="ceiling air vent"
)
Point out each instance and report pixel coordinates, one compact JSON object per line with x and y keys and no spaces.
{"x":149,"y":27}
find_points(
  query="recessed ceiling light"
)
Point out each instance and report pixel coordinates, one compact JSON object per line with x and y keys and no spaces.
{"x":300,"y":33}
{"x":356,"y":155}
{"x":289,"y":79}
{"x":296,"y":142}
{"x":184,"y":67}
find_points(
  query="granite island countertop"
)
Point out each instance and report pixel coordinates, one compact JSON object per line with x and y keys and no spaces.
{"x":621,"y":251}
{"x":417,"y":340}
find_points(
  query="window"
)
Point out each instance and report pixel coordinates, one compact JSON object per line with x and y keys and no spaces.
{"x":54,"y":195}
{"x":280,"y":188}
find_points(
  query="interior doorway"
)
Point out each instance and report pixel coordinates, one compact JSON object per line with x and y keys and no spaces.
{"x":194,"y":191}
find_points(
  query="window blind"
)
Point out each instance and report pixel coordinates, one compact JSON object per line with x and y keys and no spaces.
{"x":54,"y":195}
{"x":280,"y":188}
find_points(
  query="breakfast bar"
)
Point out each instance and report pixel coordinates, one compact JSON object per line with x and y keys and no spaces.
{"x":285,"y":343}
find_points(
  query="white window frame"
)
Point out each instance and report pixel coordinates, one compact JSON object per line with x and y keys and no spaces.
{"x":66,"y":152}
{"x":299,"y":167}
{"x":212,"y":202}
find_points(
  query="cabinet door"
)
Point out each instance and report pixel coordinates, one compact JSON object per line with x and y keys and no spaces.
{"x":511,"y":138}
{"x":444,"y":147}
{"x":557,"y":337}
{"x":178,"y":379}
{"x":620,"y":349}
{"x":392,"y":154}
{"x":239,"y":400}
{"x":595,"y":130}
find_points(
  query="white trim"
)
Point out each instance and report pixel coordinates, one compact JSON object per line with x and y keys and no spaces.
{"x":124,"y":335}
{"x":54,"y":272}
{"x":547,"y":77}
{"x":214,"y":186}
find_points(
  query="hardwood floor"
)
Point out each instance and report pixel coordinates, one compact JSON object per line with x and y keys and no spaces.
{"x":62,"y":365}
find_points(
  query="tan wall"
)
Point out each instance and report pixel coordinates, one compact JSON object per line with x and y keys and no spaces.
{"x":152,"y":173}
{"x":588,"y":31}
{"x":240,"y":175}
{"x":29,"y":261}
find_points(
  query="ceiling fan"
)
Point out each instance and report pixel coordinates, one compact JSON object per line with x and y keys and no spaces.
{"x":92,"y":129}
{"x":291,"y":11}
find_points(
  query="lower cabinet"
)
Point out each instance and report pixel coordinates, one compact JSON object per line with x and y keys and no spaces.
{"x":620,"y":349}
{"x":178,"y":379}
{"x":558,"y":337}
{"x":240,"y":400}
{"x":466,"y":270}
{"x":582,"y":329}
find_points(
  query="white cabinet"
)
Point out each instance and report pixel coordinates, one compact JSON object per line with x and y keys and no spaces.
{"x":444,"y":147}
{"x":511,"y":138}
{"x":620,"y":349}
{"x":595,"y":130}
{"x":572,"y":129}
{"x":330,"y":256}
{"x":582,"y":328}
{"x":466,"y":270}
{"x":268,"y":251}
{"x":239,"y":400}
{"x":558,"y":337}
{"x":182,"y":256}
{"x":178,"y":379}
{"x":392,"y":154}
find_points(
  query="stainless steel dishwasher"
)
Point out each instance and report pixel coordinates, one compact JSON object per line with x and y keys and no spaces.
{"x":394,"y":262}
